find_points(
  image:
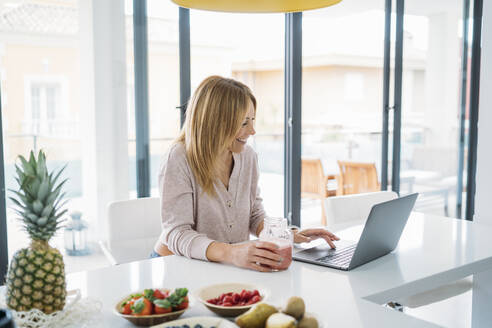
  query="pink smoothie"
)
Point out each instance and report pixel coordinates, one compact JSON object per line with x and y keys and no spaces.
{"x":285,"y":250}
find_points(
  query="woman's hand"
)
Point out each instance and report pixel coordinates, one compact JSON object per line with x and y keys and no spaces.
{"x":255,"y":255}
{"x":307,"y":235}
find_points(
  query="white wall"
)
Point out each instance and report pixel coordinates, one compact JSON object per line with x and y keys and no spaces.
{"x":483,"y":203}
{"x":103,"y":112}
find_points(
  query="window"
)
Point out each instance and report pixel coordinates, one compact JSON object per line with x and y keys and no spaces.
{"x":44,"y":115}
{"x":251,"y":50}
{"x":342,"y":84}
{"x":163,"y":86}
{"x":431,"y":84}
{"x":56,"y":81}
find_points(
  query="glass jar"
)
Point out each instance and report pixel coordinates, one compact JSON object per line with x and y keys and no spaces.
{"x":276,"y":230}
{"x":6,"y":320}
{"x":76,"y":236}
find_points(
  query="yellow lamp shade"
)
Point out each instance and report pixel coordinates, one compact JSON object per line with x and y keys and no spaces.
{"x":256,"y":6}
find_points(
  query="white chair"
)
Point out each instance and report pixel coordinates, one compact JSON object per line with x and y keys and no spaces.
{"x":345,"y":211}
{"x":133,"y":228}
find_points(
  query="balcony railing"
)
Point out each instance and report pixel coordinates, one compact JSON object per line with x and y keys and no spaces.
{"x":58,"y":128}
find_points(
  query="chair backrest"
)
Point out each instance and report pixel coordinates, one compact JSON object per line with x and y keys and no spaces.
{"x":345,"y":211}
{"x":358,"y":177}
{"x":312,"y":177}
{"x":133,"y":227}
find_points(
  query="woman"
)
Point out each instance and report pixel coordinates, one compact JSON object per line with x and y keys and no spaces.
{"x":209,"y":183}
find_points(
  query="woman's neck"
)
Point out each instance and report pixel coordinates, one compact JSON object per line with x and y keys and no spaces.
{"x":225,"y":166}
{"x":225,"y":160}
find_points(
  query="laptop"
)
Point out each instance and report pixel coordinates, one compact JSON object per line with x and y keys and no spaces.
{"x":380,"y":236}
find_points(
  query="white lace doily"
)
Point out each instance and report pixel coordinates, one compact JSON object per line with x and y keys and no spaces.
{"x":78,"y":312}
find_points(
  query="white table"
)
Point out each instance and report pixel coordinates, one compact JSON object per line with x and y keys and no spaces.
{"x":433,"y":251}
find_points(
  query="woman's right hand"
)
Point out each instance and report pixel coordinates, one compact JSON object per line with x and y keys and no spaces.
{"x":255,"y":255}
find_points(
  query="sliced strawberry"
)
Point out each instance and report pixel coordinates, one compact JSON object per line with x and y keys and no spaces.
{"x":255,"y":299}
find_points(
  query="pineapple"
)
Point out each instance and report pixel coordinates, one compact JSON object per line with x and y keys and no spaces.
{"x":36,"y":276}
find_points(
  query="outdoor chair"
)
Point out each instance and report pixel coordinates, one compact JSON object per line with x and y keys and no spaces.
{"x":314,"y":183}
{"x":356,"y":178}
{"x":133,"y":228}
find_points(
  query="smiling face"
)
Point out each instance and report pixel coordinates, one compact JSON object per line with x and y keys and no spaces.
{"x":247,"y":129}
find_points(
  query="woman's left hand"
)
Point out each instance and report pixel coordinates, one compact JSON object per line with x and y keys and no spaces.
{"x":307,"y":235}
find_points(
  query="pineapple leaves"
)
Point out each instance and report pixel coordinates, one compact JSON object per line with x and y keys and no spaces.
{"x":60,"y":214}
{"x":39,"y":199}
{"x":32,"y":159}
{"x":19,"y":173}
{"x":22,"y":197}
{"x":28,"y":169}
{"x":43,"y":190}
{"x":42,"y":171}
{"x":37,"y":206}
{"x":53,"y":181}
{"x":62,"y":204}
{"x":16,"y":202}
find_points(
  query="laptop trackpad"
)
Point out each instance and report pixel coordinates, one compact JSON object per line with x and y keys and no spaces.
{"x":323,"y":250}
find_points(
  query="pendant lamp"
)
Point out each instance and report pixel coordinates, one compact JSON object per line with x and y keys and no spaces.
{"x":256,"y":6}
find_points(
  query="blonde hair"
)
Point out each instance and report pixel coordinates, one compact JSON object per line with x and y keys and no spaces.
{"x":213,"y":118}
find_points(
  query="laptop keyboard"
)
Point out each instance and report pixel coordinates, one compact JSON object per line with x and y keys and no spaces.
{"x":340,"y":258}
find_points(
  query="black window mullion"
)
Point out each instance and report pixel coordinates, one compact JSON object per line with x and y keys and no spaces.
{"x":463,"y":102}
{"x":474,"y":98}
{"x":4,"y":254}
{"x":184,"y":61}
{"x":140,"y":53}
{"x":292,"y":120}
{"x":395,"y":177}
{"x":386,"y":92}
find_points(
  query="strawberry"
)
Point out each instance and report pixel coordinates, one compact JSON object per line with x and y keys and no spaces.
{"x":255,"y":299}
{"x":126,"y":309}
{"x":236,"y":298}
{"x":178,"y":299}
{"x":142,"y":306}
{"x":162,"y":306}
{"x":158,"y":294}
{"x":183,"y":305}
{"x":245,"y":295}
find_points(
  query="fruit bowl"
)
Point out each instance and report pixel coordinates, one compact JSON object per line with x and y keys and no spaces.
{"x":146,"y":320}
{"x":213,"y":291}
{"x":205,"y":322}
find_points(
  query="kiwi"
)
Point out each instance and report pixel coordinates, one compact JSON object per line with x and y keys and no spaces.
{"x":256,"y":316}
{"x":295,"y":307}
{"x":308,"y":322}
{"x":280,"y":320}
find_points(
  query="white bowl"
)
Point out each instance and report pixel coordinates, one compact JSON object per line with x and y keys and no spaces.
{"x":205,"y":293}
{"x":203,"y":321}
